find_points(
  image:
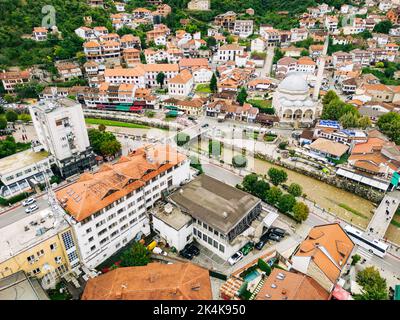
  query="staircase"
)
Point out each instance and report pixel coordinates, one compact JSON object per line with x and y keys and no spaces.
{"x":257,"y":289}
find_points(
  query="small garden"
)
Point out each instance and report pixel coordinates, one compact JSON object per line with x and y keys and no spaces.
{"x":113,"y":123}
{"x":60,"y":292}
{"x":269,"y":137}
{"x":203,"y":88}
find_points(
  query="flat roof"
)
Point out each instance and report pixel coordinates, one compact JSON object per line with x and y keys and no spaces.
{"x":18,"y":287}
{"x":21,"y":159}
{"x":20,"y":231}
{"x":214,"y":202}
{"x":172,"y":217}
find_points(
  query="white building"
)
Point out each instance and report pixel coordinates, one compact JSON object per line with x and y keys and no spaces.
{"x":199,"y":5}
{"x":243,"y":28}
{"x":202,"y":74}
{"x":61,"y":131}
{"x":181,"y":85}
{"x":229,"y":52}
{"x":222,"y":215}
{"x":292,"y":100}
{"x":109,"y":208}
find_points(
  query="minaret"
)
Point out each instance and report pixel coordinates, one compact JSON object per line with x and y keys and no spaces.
{"x":321,"y":67}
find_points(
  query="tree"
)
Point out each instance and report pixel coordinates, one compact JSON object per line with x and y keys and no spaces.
{"x":300,"y":211}
{"x":3,"y":123}
{"x":295,"y":189}
{"x":239,"y":161}
{"x":364,"y":122}
{"x":264,"y":266}
{"x":102,"y":127}
{"x":374,"y":287}
{"x":277,"y":176}
{"x":328,"y":97}
{"x":383,"y":26}
{"x":9,"y":98}
{"x":11,"y":116}
{"x":349,"y":120}
{"x":260,"y":189}
{"x":304,"y":53}
{"x":273,"y":195}
{"x":355,"y":259}
{"x":214,"y":148}
{"x":242,"y":96}
{"x":182,"y":139}
{"x":160,"y":78}
{"x":249,"y":182}
{"x":110,"y":148}
{"x":213,"y":83}
{"x":389,"y":124}
{"x":286,"y":203}
{"x":137,"y":255}
{"x":211,"y":42}
{"x":25,"y":117}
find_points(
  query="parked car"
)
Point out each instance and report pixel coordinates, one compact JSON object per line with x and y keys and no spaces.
{"x":247,"y":248}
{"x":192,"y":249}
{"x":186,"y":254}
{"x":274,"y":237}
{"x":263,"y":240}
{"x":204,"y":125}
{"x":31,"y":208}
{"x":237,"y":256}
{"x":28,"y":201}
{"x":278,"y":231}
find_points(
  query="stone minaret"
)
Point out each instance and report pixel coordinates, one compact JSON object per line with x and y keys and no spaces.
{"x":321,"y":67}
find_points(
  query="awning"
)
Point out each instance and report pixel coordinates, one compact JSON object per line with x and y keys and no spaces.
{"x":270,"y":218}
{"x":363,"y":179}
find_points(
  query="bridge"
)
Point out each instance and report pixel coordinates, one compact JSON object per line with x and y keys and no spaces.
{"x":383,"y":215}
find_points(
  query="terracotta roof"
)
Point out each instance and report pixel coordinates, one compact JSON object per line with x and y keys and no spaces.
{"x":156,"y":281}
{"x":9,"y":75}
{"x":327,"y":146}
{"x":93,"y":192}
{"x":91,"y":44}
{"x":329,"y":247}
{"x":193,"y":62}
{"x":183,"y":77}
{"x":39,"y":29}
{"x":232,"y":46}
{"x":373,"y":144}
{"x":285,"y":285}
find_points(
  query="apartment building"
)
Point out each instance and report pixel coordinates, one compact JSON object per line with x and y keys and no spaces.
{"x":228,"y":52}
{"x":108,"y":93}
{"x":61,"y":131}
{"x":243,"y":28}
{"x":131,"y":56}
{"x":40,"y":244}
{"x":226,"y":20}
{"x":68,"y":70}
{"x":108,"y":208}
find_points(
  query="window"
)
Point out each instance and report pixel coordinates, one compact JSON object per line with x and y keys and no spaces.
{"x":221,"y":248}
{"x":112,"y":216}
{"x":210,"y":240}
{"x":36,"y":271}
{"x":199,"y":234}
{"x":92,"y":248}
{"x":40,"y":253}
{"x":204,"y":225}
{"x":195,"y":231}
{"x":88,"y":230}
{"x":188,"y":237}
{"x":91,"y":239}
{"x":114,"y":233}
{"x":204,"y":237}
{"x":100,"y":223}
{"x":102,"y":232}
{"x":122,"y":219}
{"x":58,"y":259}
{"x":124,"y":227}
{"x":31,"y":259}
{"x":120,"y":210}
{"x":53,"y":246}
{"x":103,"y":241}
{"x":132,"y":221}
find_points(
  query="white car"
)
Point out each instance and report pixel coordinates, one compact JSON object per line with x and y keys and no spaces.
{"x":28,"y":202}
{"x":237,"y":256}
{"x":31,"y":208}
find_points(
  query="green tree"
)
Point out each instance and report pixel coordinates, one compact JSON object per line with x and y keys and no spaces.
{"x":364,"y":122}
{"x":239,"y":161}
{"x":389,"y":124}
{"x":329,"y":96}
{"x":260,"y":189}
{"x":349,"y":120}
{"x":25,"y":117}
{"x":102,"y":127}
{"x":249,"y":182}
{"x":182,"y":139}
{"x":286,"y":203}
{"x":277,"y":176}
{"x":3,"y":123}
{"x":355,"y":259}
{"x":214,"y":148}
{"x":110,"y":148}
{"x":211,"y":42}
{"x":374,"y":287}
{"x":160,"y":78}
{"x":304,"y":53}
{"x":300,"y":211}
{"x":295,"y":189}
{"x":213,"y":83}
{"x":137,"y":255}
{"x":383,"y":26}
{"x":242,"y":96}
{"x":273,"y":195}
{"x":264,"y":266}
{"x":9,"y":98}
{"x":11,"y":116}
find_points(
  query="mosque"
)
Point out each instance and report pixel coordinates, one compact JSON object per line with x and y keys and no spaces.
{"x":292,"y":100}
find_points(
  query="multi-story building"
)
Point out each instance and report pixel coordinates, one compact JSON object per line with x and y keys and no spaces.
{"x":68,"y":70}
{"x":229,"y":52}
{"x":243,"y":28}
{"x":199,"y":5}
{"x":12,"y":78}
{"x":131,"y":56}
{"x":226,"y":20}
{"x":39,"y":34}
{"x":181,"y":85}
{"x":108,"y":209}
{"x":41,"y":244}
{"x":61,"y":131}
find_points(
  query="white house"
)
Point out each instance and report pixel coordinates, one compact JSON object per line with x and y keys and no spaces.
{"x":229,"y":52}
{"x":181,"y":85}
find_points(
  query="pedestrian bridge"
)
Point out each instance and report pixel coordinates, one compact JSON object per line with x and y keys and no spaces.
{"x":383,"y":215}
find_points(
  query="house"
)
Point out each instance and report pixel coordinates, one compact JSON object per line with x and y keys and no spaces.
{"x":243,"y":28}
{"x":331,"y":23}
{"x":163,"y":10}
{"x":328,"y":148}
{"x":39,"y":34}
{"x":201,"y":74}
{"x":155,"y":281}
{"x":181,"y":85}
{"x":68,"y":70}
{"x":226,"y":20}
{"x":229,"y":52}
{"x":394,"y":15}
{"x":131,"y":56}
{"x":199,"y":5}
{"x":306,"y":65}
{"x":323,"y":254}
{"x":259,"y":84}
{"x":85,"y":33}
{"x":12,"y":78}
{"x":285,"y":285}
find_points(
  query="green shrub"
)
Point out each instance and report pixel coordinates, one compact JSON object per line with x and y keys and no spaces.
{"x":264,"y":266}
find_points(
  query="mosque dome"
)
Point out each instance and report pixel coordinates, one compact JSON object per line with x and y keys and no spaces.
{"x":294,"y":83}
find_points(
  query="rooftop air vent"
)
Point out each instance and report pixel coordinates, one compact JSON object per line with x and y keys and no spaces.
{"x":273,"y":286}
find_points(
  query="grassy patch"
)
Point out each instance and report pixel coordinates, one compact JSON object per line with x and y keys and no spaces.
{"x":353,"y":211}
{"x":343,"y":159}
{"x":203,"y":88}
{"x":395,"y":223}
{"x":269,"y":137}
{"x":265,"y":106}
{"x":113,"y":123}
{"x":55,"y":294}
